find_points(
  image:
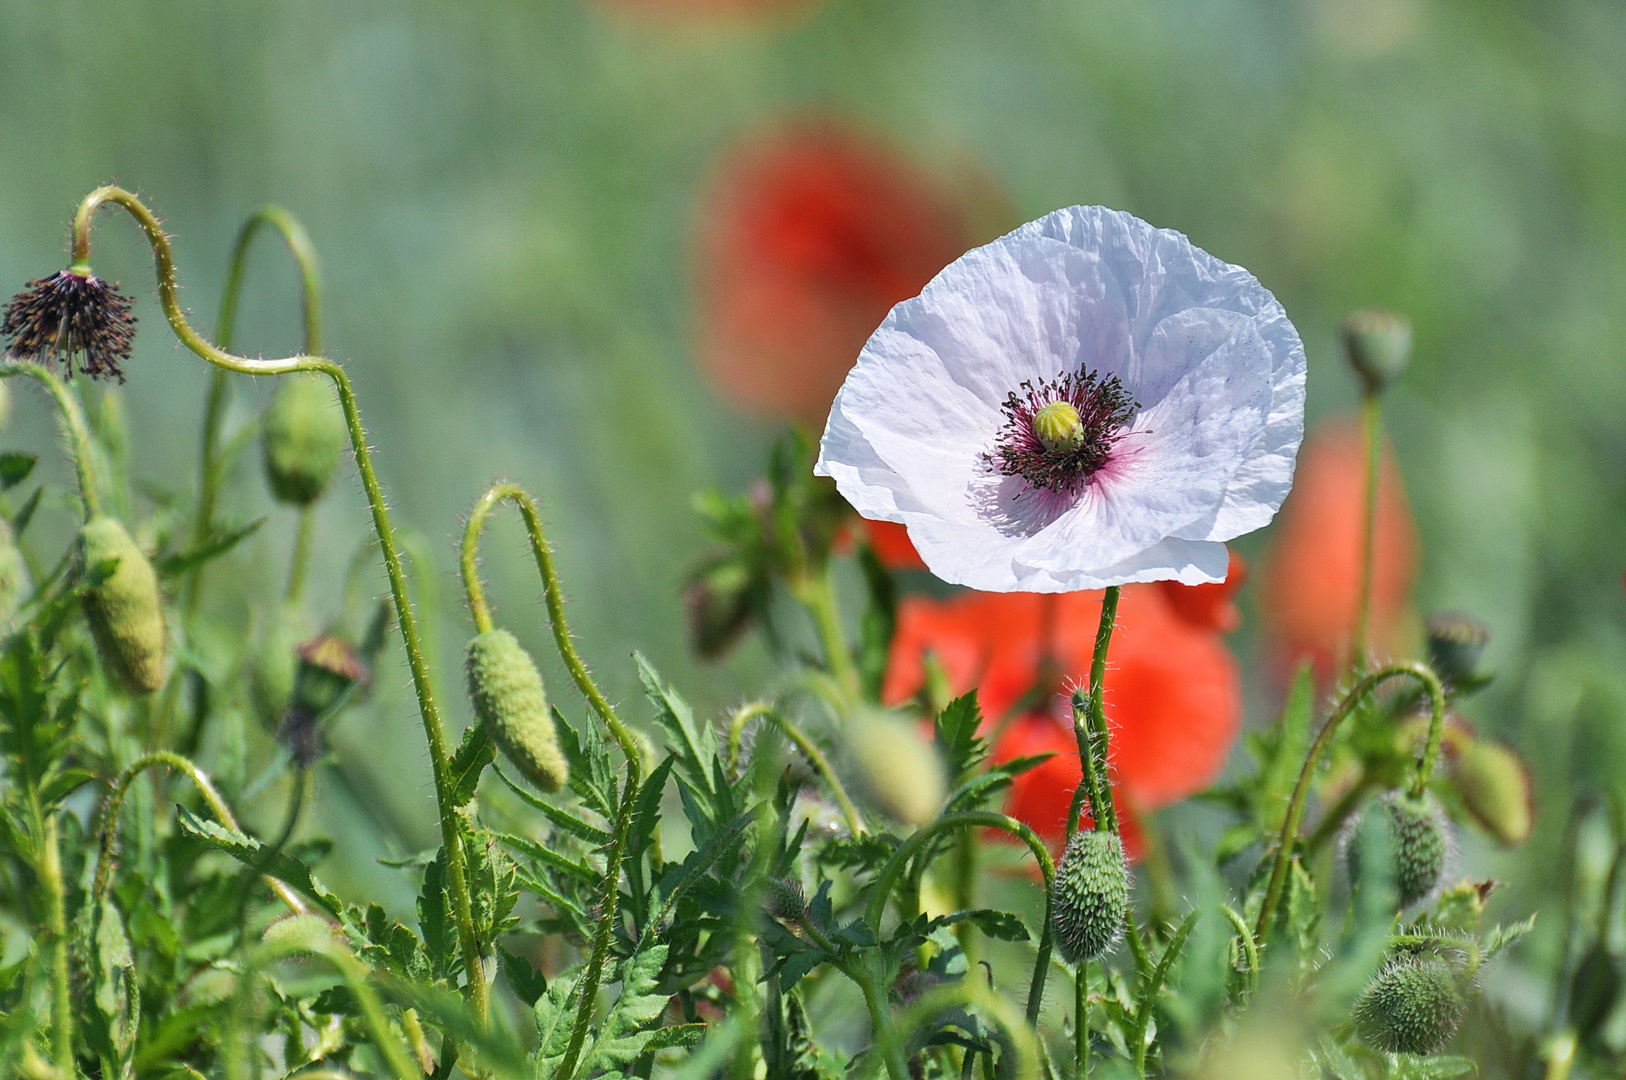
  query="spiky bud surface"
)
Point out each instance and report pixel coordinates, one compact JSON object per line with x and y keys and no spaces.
{"x":1091,"y":896}
{"x":1412,"y":1007}
{"x":1419,"y":843}
{"x":900,"y":768}
{"x":510,"y":701}
{"x":15,"y":583}
{"x":302,"y":436}
{"x":784,"y":899}
{"x":1378,"y":345}
{"x":1495,"y":789}
{"x":125,"y":613}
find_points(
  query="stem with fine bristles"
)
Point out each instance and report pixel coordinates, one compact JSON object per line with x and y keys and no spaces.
{"x":1372,"y":433}
{"x":429,"y":710}
{"x":73,"y":423}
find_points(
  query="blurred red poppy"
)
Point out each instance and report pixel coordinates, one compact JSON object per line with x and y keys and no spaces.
{"x":1173,"y":693}
{"x":709,"y":8}
{"x":892,"y":545}
{"x":1310,"y":585}
{"x":808,"y":236}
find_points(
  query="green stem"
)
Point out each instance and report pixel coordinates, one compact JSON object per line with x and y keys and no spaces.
{"x":481,"y":612}
{"x":73,"y":423}
{"x":429,"y":711}
{"x":1372,"y":432}
{"x":49,"y":869}
{"x":976,"y":994}
{"x":1081,"y":1021}
{"x":1090,"y":727}
{"x":300,"y":562}
{"x":817,"y":593}
{"x":1301,"y":791}
{"x":269,"y":852}
{"x":821,"y":764}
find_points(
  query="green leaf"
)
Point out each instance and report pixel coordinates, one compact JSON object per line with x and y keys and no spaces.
{"x":1503,"y":936}
{"x":957,"y":728}
{"x":527,"y":983}
{"x":474,"y":753}
{"x":25,"y":513}
{"x":879,"y":622}
{"x":435,"y":917}
{"x":1280,"y":772}
{"x":554,"y":1018}
{"x":559,"y":816}
{"x":620,"y":1039}
{"x":1000,"y":925}
{"x":15,"y":467}
{"x":695,"y":746}
{"x":675,"y":1037}
{"x":247,"y":850}
{"x":582,"y":872}
{"x":209,"y":550}
{"x":60,"y":783}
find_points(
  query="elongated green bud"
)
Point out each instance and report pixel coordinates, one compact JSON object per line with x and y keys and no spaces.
{"x":901,"y":769}
{"x":1495,"y":789}
{"x":511,"y":703}
{"x":124,"y":611}
{"x":1412,"y":1007}
{"x":1420,"y":843}
{"x":273,"y":666}
{"x":1091,"y":897}
{"x":15,"y":583}
{"x":302,"y":435}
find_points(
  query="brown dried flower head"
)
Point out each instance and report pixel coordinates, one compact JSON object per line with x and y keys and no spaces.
{"x":71,"y":313}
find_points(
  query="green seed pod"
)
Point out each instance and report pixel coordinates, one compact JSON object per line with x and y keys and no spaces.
{"x":299,"y":934}
{"x":15,"y":583}
{"x":1420,"y":840}
{"x":509,"y":700}
{"x":1378,"y":344}
{"x":125,"y":613}
{"x":302,"y":435}
{"x":1091,"y":896}
{"x":1495,"y":789}
{"x":1412,"y":1007}
{"x":900,"y":768}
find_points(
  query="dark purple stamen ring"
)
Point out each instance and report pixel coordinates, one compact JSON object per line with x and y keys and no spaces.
{"x":1105,"y":411}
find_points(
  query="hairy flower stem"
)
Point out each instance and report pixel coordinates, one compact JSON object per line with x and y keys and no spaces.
{"x":809,"y":749}
{"x":48,"y":867}
{"x":817,"y":593}
{"x":969,"y":993}
{"x":1372,"y":433}
{"x":1288,"y":840}
{"x":429,"y":711}
{"x":211,"y":464}
{"x":1090,"y":728}
{"x":73,"y":427}
{"x":881,"y":891}
{"x":299,"y":564}
{"x":1081,"y":1021}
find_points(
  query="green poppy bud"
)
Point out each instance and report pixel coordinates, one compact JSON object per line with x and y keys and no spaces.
{"x":1455,"y":644}
{"x":1378,"y":344}
{"x":15,"y":583}
{"x":124,"y":611}
{"x":1412,"y":1007}
{"x":509,"y":700}
{"x":900,"y":768}
{"x":298,"y":934}
{"x":327,"y":668}
{"x":273,"y":665}
{"x":302,"y":436}
{"x":1419,"y":838}
{"x":1495,"y":789}
{"x":784,"y":899}
{"x":1091,"y":896}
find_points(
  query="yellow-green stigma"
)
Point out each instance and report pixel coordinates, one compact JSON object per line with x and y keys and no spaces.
{"x":1059,"y":427}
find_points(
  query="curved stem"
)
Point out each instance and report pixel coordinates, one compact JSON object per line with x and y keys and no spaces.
{"x":49,"y":869}
{"x":1301,"y":791}
{"x":976,"y":994}
{"x":73,"y":423}
{"x":821,"y":764}
{"x":481,"y":612}
{"x":881,"y":890}
{"x":206,"y":788}
{"x":1081,"y":1021}
{"x":429,"y":711}
{"x":1372,"y":431}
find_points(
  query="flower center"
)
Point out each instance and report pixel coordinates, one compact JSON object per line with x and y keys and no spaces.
{"x":1058,"y":434}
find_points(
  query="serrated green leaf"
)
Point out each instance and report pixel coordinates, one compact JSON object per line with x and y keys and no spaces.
{"x":15,"y":465}
{"x":559,"y":816}
{"x":474,"y":753}
{"x":247,"y":850}
{"x":1279,"y":773}
{"x":213,"y":548}
{"x":956,"y":728}
{"x":620,"y":1038}
{"x":527,"y":983}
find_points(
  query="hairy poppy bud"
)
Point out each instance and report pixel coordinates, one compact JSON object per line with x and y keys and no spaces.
{"x":124,"y":611}
{"x":1455,"y":643}
{"x":784,"y":899}
{"x":1495,"y":789}
{"x":15,"y":583}
{"x":1419,"y":838}
{"x":327,"y":668}
{"x":1091,"y":896}
{"x":509,"y":700}
{"x":1378,"y":344}
{"x":720,"y":602}
{"x":302,"y":435}
{"x":1412,"y":1007}
{"x":299,"y":933}
{"x":900,"y":768}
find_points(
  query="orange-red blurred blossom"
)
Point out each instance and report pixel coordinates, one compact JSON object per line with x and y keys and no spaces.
{"x":1173,"y":693}
{"x":1309,"y":588}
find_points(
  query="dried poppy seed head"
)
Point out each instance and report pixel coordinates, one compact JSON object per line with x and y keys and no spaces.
{"x":72,"y":312}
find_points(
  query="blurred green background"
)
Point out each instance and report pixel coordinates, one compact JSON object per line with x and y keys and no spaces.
{"x":504,"y":195}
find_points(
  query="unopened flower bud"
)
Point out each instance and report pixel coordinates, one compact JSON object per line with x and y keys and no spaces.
{"x":1378,"y":344}
{"x":901,"y":769}
{"x":299,"y":933}
{"x":273,"y":665}
{"x":302,"y":436}
{"x":719,"y":601}
{"x":1412,"y":1007}
{"x":124,"y":611}
{"x":1495,"y":789}
{"x":510,"y":701}
{"x":1091,"y":896}
{"x":1419,"y":843}
{"x":327,"y":668}
{"x":1058,"y":427}
{"x":784,"y":899}
{"x":1455,"y":644}
{"x":15,"y":583}
{"x":1462,"y":906}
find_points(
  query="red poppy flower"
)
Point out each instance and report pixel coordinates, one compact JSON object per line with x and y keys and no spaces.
{"x":1173,"y":693}
{"x":809,"y":235}
{"x":1311,"y":582}
{"x":709,"y":8}
{"x":892,"y":545}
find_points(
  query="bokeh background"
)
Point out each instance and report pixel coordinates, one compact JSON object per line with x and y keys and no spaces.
{"x":523,"y":212}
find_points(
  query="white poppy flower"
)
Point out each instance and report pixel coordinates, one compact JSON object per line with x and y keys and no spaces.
{"x":1085,"y":402}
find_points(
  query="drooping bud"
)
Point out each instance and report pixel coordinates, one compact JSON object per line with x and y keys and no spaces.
{"x":1091,"y":896}
{"x":327,"y":669}
{"x":900,"y":768}
{"x":510,"y":701}
{"x":1412,"y":1007}
{"x":1419,"y":843}
{"x":1495,"y":789}
{"x":124,"y":611}
{"x":1059,"y":427}
{"x":15,"y":583}
{"x":71,"y":313}
{"x":720,"y":602}
{"x":1456,"y":641}
{"x":1378,"y":344}
{"x":302,"y":436}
